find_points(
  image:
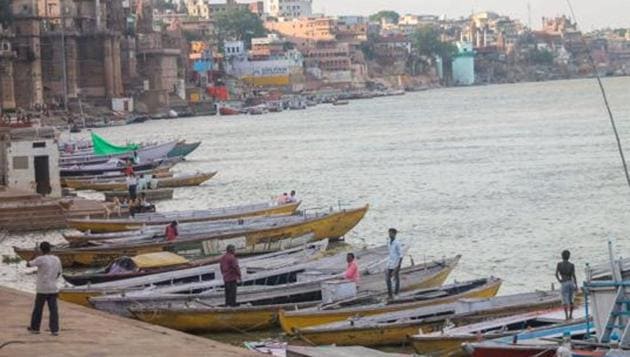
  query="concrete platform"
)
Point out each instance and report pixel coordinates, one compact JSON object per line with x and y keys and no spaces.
{"x":87,"y":332}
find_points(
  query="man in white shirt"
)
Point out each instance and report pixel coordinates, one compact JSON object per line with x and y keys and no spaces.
{"x":48,"y":271}
{"x":292,"y":198}
{"x":393,"y":263}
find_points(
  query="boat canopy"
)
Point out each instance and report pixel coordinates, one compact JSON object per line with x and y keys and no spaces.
{"x":103,"y":147}
{"x":158,"y":260}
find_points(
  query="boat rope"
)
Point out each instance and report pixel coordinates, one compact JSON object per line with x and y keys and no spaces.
{"x":602,"y":89}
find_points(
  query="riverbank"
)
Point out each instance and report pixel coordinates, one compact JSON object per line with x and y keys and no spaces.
{"x":90,"y":332}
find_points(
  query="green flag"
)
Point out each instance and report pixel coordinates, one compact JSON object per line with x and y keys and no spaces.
{"x":102,"y":147}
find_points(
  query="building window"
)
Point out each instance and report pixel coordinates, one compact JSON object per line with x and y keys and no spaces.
{"x":41,"y":144}
{"x":20,"y":162}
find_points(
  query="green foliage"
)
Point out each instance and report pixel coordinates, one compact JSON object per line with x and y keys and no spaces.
{"x":393,"y":16}
{"x":239,"y":24}
{"x":621,"y":32}
{"x":368,"y":50}
{"x":165,"y":5}
{"x":542,"y":57}
{"x":6,"y":13}
{"x":426,"y":42}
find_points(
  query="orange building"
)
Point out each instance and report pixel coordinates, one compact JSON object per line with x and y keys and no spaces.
{"x":305,"y":31}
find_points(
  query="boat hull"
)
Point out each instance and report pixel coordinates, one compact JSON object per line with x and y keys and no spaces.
{"x":120,"y":185}
{"x":387,"y":335}
{"x":151,"y":195}
{"x":441,"y":346}
{"x":112,"y":225}
{"x":216,"y":319}
{"x":183,"y":149}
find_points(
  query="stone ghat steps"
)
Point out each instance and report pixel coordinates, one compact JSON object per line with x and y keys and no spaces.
{"x":32,"y":218}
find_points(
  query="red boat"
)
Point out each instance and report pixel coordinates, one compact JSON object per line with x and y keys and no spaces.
{"x":228,"y":111}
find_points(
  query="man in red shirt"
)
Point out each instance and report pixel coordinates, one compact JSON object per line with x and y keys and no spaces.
{"x":231,"y":275}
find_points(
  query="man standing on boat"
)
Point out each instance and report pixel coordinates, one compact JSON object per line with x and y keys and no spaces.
{"x":231,"y":275}
{"x":393,"y":263}
{"x":48,"y":271}
{"x":565,"y":273}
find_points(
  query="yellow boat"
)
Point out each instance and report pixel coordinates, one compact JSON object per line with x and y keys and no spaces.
{"x":205,"y":243}
{"x":217,"y":319}
{"x":209,"y":319}
{"x":125,"y":224}
{"x":117,"y":184}
{"x":393,"y":328}
{"x":297,"y":320}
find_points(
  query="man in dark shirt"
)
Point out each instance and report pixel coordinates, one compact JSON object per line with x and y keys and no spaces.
{"x":565,"y":273}
{"x":231,"y":275}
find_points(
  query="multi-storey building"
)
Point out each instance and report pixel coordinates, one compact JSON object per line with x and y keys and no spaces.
{"x":290,"y":8}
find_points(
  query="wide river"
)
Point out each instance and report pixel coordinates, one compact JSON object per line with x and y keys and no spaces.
{"x":508,"y":175}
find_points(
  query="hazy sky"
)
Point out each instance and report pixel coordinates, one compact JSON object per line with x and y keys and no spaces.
{"x":590,"y":13}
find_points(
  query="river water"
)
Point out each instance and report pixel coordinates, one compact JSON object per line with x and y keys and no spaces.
{"x":507,"y":175}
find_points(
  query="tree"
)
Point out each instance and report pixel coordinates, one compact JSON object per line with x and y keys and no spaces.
{"x":542,"y":57}
{"x":240,"y":25}
{"x":390,"y":15}
{"x":426,"y":42}
{"x":6,"y":14}
{"x":426,"y":45}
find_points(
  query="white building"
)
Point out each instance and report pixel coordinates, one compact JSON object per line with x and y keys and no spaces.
{"x":464,"y":65}
{"x":233,"y":48}
{"x":289,"y":8}
{"x":29,"y":160}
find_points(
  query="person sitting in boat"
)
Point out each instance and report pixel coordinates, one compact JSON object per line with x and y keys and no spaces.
{"x":292,"y":198}
{"x":352,"y":271}
{"x":283,"y":199}
{"x":145,"y":206}
{"x":122,"y":265}
{"x":171,"y":232}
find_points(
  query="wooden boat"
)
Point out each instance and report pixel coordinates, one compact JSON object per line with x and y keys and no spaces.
{"x":356,"y":331}
{"x":529,"y":343}
{"x":119,"y":184}
{"x":228,"y":111}
{"x":266,"y":303}
{"x":199,"y":271}
{"x":76,"y":182}
{"x":394,"y":327}
{"x":103,"y":169}
{"x":341,"y":102}
{"x":161,"y":219}
{"x":290,"y":283}
{"x":311,"y":317}
{"x":157,"y":194}
{"x":260,"y":236}
{"x":448,"y":342}
{"x":182,"y":149}
{"x":146,"y":153}
{"x":126,"y":267}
